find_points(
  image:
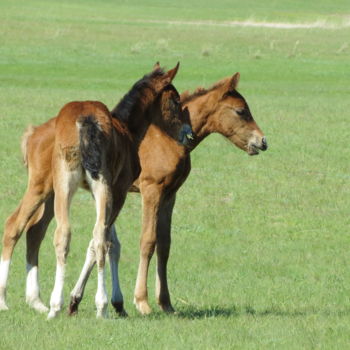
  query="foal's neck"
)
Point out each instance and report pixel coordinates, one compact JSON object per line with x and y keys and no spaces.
{"x":200,"y":109}
{"x":132,"y":112}
{"x":138,"y":133}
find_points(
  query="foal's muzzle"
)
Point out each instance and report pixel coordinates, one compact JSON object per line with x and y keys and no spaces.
{"x":186,"y":135}
{"x":257,"y":145}
{"x":263,"y":144}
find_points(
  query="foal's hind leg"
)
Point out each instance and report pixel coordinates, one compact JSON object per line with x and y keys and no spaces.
{"x":14,"y":227}
{"x":90,"y":260}
{"x":114,"y":257}
{"x":36,"y":230}
{"x":163,"y":248}
{"x":104,"y":204}
{"x":78,"y":291}
{"x":65,"y":184}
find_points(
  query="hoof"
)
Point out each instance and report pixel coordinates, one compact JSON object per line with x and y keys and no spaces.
{"x":74,"y":306}
{"x":3,"y":306}
{"x":52,"y":314}
{"x":119,"y":309}
{"x":38,"y":305}
{"x":143,"y":307}
{"x":73,"y":310}
{"x":167,"y":308}
{"x":123,"y":314}
{"x":101,"y":314}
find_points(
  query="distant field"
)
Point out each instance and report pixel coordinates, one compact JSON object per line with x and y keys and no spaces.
{"x":260,"y":244}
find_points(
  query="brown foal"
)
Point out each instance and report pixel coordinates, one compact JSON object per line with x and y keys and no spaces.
{"x":220,"y":109}
{"x":87,"y":146}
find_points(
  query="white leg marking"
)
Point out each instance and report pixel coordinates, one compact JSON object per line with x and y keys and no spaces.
{"x":103,"y":200}
{"x":101,"y":298}
{"x":56,"y":301}
{"x":33,"y":289}
{"x":4,"y":272}
{"x":78,"y":290}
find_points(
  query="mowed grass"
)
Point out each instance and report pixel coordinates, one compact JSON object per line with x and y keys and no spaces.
{"x":260,"y":244}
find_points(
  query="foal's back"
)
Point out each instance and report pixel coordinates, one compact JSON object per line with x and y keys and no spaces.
{"x":67,"y":118}
{"x":69,"y":136}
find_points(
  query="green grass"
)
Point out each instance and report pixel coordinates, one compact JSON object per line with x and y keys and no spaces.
{"x":260,"y":245}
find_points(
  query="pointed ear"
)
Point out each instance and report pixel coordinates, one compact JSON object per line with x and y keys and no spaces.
{"x":170,"y":75}
{"x":156,"y":66}
{"x":233,"y":82}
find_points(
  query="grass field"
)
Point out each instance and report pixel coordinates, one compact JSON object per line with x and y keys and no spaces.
{"x":260,"y":244}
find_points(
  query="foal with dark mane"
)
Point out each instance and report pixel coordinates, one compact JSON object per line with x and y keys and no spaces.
{"x":97,"y":150}
{"x":220,"y":109}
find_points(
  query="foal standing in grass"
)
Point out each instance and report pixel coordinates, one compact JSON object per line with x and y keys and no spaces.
{"x":97,"y":150}
{"x":220,"y":109}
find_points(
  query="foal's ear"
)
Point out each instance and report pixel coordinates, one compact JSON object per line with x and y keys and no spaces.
{"x":170,"y":75}
{"x":233,"y":82}
{"x":156,"y":66}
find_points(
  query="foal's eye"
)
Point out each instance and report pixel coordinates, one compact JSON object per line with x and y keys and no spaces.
{"x":244,"y":114}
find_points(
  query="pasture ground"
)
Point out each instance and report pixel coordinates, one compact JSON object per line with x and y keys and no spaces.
{"x":260,"y":244}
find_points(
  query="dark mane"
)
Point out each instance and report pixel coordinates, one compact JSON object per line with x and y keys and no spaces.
{"x":131,"y":101}
{"x":187,"y":97}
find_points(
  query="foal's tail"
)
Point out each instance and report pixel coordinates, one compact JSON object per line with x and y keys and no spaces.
{"x":24,"y":143}
{"x":91,"y":141}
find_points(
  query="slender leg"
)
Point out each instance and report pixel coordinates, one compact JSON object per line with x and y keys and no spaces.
{"x":104,"y":202}
{"x":14,"y":227}
{"x":65,"y":184}
{"x":4,"y":272}
{"x":114,"y":256}
{"x":151,"y":194}
{"x":78,"y":290}
{"x":163,"y":248}
{"x":37,"y":227}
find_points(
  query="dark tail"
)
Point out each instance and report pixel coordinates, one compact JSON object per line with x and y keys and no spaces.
{"x":92,"y":139}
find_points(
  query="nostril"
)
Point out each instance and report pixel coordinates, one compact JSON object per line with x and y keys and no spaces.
{"x":264,"y":143}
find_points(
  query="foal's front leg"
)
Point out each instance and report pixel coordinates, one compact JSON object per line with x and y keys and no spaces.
{"x":151,"y":196}
{"x":163,"y":249}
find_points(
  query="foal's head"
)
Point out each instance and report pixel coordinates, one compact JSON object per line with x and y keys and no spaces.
{"x":166,"y":112}
{"x":153,"y":99}
{"x":225,"y":111}
{"x":235,"y":121}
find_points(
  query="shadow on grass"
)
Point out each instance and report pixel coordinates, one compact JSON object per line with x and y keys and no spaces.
{"x":233,"y":311}
{"x":196,"y":313}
